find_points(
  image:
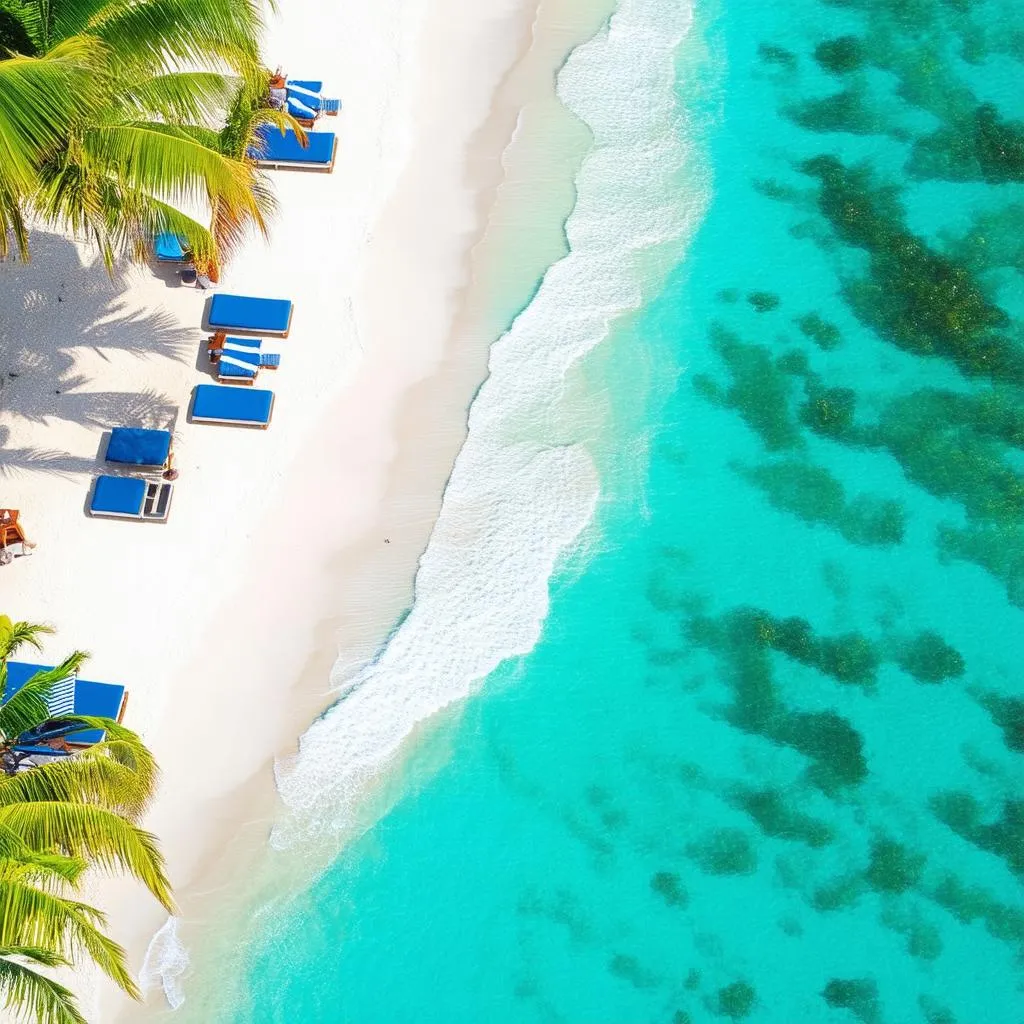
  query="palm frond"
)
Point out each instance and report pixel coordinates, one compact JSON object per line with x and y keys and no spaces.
{"x":30,"y":995}
{"x":48,"y":870}
{"x":118,"y":774}
{"x":14,"y":635}
{"x":95,"y":834}
{"x":167,"y":162}
{"x":40,"y":100}
{"x":183,"y":97}
{"x":156,"y":34}
{"x":32,"y":917}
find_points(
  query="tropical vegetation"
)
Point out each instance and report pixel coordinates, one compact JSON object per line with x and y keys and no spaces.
{"x":120,"y":119}
{"x":58,"y":820}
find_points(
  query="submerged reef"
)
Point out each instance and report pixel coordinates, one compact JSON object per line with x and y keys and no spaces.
{"x":817,"y":497}
{"x":759,"y":390}
{"x":735,"y":1001}
{"x":858,"y":995}
{"x":913,"y":296}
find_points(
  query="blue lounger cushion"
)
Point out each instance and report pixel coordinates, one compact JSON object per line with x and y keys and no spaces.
{"x":213,"y":403}
{"x":311,"y":97}
{"x":300,"y":110}
{"x":310,"y":85}
{"x":138,"y":446}
{"x":170,"y":247}
{"x":236,"y":345}
{"x":330,"y":106}
{"x":130,"y":497}
{"x":241,"y":365}
{"x":245,"y":313}
{"x":275,"y":148}
{"x":270,"y":359}
{"x":118,"y":496}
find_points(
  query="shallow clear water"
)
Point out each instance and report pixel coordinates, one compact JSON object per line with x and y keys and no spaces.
{"x":764,"y":761}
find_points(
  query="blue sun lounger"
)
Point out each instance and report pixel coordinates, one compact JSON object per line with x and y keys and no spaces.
{"x":245,"y":313}
{"x":249,"y":407}
{"x":130,"y":497}
{"x":71,"y":696}
{"x":138,"y":446}
{"x":285,"y":151}
{"x":240,"y":366}
{"x":170,"y":248}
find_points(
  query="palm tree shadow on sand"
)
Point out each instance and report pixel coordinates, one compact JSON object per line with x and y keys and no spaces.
{"x":51,"y":309}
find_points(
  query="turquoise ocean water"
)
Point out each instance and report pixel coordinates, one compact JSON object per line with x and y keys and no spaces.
{"x":764,"y":760}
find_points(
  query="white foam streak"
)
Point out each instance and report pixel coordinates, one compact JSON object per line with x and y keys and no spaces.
{"x":165,"y":962}
{"x":517,"y":500}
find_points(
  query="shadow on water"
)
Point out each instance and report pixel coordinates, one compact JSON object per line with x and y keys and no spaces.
{"x":53,"y":309}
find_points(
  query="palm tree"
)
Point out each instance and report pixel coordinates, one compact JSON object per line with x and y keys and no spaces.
{"x":57,"y":820}
{"x":129,"y":147}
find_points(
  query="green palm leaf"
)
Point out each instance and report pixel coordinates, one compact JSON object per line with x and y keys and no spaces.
{"x":155,"y":34}
{"x":14,"y":635}
{"x":33,"y":917}
{"x":31,"y":995}
{"x":100,"y":836}
{"x":168,"y":162}
{"x":119,"y":774}
{"x":193,"y":97}
{"x":40,"y":99}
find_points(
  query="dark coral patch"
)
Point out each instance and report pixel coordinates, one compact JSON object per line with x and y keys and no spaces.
{"x":1008,"y":714}
{"x":858,"y":995}
{"x":823,"y":333}
{"x":724,"y":851}
{"x":777,"y":818}
{"x":735,"y":1001}
{"x":763,"y":302}
{"x":929,"y":659}
{"x":893,"y":868}
{"x":1003,"y":837}
{"x":670,"y":888}
{"x":918,"y":299}
{"x":840,"y":56}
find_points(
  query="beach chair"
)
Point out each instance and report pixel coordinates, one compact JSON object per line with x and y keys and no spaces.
{"x":70,"y":696}
{"x":171,"y":248}
{"x":306,"y":104}
{"x":221,"y":342}
{"x":241,"y":366}
{"x":249,"y":407}
{"x":131,"y":497}
{"x":285,"y":152}
{"x":314,"y":89}
{"x":139,"y":447}
{"x":11,"y":532}
{"x":245,"y":313}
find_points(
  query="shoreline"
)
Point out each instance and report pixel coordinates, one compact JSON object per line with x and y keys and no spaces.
{"x":350,"y":471}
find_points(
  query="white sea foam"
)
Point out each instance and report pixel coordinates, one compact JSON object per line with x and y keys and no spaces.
{"x":165,"y":962}
{"x":517,"y":498}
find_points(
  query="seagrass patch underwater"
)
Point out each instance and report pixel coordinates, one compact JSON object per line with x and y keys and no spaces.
{"x":764,"y":763}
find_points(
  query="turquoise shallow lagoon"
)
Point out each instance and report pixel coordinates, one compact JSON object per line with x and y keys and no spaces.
{"x":764,"y":762}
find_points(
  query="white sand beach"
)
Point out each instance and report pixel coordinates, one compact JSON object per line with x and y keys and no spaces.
{"x":289,"y":547}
